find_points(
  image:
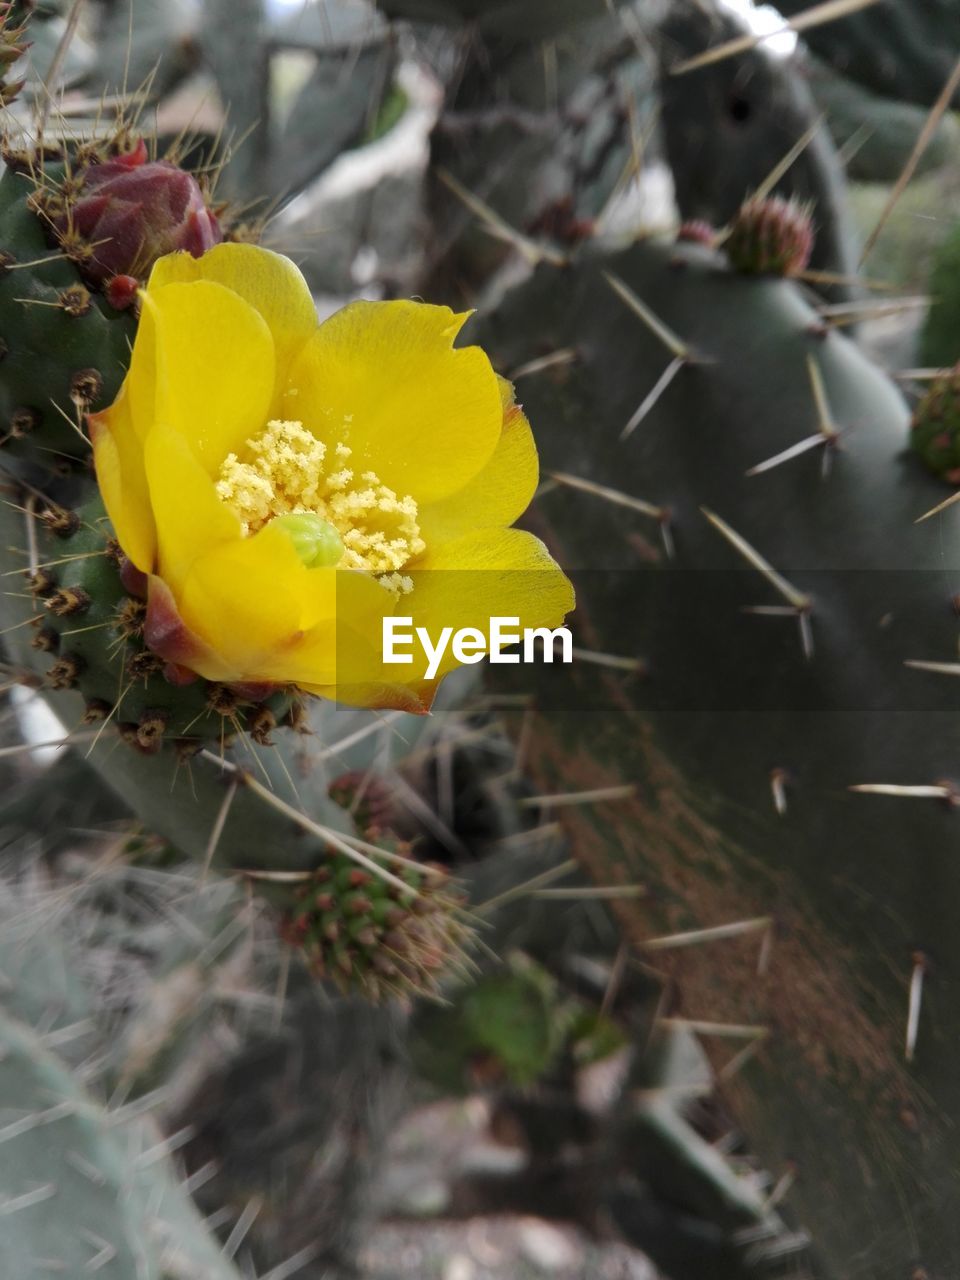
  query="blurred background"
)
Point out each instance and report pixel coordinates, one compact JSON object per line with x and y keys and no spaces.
{"x":447,"y":149}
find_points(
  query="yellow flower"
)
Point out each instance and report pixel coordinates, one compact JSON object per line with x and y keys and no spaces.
{"x":285,"y":485}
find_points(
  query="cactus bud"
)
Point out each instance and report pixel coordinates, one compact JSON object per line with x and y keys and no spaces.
{"x":379,"y":940}
{"x":128,"y":212}
{"x":935,"y":429}
{"x":771,"y":237}
{"x":697,"y":231}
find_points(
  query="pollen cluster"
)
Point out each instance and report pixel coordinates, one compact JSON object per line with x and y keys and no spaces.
{"x":286,"y":470}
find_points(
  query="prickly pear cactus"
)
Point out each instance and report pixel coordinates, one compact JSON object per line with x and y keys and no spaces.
{"x":120,"y":1209}
{"x":94,"y":626}
{"x":64,"y":348}
{"x":899,"y":49}
{"x":729,"y":125}
{"x":788,"y":738}
{"x":766,"y":635}
{"x":540,"y":126}
{"x":876,"y":134}
{"x":358,"y":907}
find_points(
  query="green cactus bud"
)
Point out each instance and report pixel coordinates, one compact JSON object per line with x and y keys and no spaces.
{"x":771,"y":237}
{"x":935,"y":428}
{"x":395,"y":937}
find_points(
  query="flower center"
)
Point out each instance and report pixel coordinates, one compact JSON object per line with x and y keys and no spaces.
{"x":286,"y":471}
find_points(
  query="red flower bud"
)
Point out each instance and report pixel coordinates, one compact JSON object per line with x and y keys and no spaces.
{"x":129,"y":212}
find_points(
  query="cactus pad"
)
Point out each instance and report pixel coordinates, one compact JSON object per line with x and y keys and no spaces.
{"x":78,"y":1195}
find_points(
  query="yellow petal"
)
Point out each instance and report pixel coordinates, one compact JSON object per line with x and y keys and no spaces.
{"x":245,"y":599}
{"x":166,"y":633}
{"x":270,"y":283}
{"x":342,"y":627}
{"x":498,"y":495}
{"x":190,"y":518}
{"x":304,"y":660}
{"x":505,"y":573}
{"x":118,"y":457}
{"x":385,"y":379}
{"x":140,"y":384}
{"x":414,"y":699}
{"x":256,"y":604}
{"x":215,"y":367}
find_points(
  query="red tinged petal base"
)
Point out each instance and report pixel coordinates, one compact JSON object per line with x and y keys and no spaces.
{"x":184,"y":652}
{"x":166,"y":633}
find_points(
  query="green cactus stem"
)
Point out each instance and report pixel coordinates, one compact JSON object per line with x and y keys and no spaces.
{"x":901,"y":49}
{"x":729,"y":126}
{"x":940,"y":339}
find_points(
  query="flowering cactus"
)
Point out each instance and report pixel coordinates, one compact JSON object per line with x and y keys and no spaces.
{"x":285,"y":486}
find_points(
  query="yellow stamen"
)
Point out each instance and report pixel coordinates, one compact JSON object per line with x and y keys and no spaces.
{"x":284,"y":472}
